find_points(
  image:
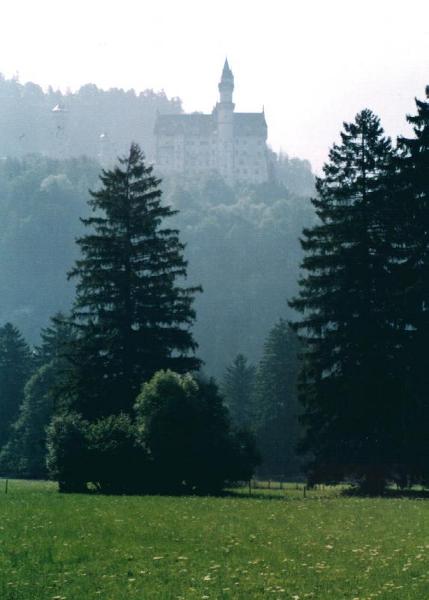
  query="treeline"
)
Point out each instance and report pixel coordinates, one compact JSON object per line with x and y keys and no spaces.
{"x":41,"y":200}
{"x":89,"y":122}
{"x":112,"y":402}
{"x":263,"y":399}
{"x":364,"y":304}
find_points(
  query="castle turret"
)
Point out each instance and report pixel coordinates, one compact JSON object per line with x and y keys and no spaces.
{"x":226,"y":84}
{"x":225,"y":123}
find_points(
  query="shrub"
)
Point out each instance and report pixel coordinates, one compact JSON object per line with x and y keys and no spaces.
{"x":117,"y":462}
{"x":67,"y":458}
{"x":185,"y":427}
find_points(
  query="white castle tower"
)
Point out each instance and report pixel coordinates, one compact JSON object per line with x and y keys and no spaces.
{"x":233,"y":144}
{"x":224,"y":111}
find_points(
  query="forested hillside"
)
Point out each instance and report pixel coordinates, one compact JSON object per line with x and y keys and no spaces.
{"x":242,"y":247}
{"x":91,"y":122}
{"x":242,"y":243}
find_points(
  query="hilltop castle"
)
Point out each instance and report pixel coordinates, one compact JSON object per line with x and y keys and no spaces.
{"x":230,"y":143}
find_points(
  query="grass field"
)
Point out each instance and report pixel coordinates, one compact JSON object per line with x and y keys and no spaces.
{"x":275,"y":544}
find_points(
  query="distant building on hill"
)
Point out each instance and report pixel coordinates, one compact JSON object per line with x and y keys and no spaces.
{"x":227,"y":142}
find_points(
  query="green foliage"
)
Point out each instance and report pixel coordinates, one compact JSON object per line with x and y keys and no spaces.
{"x":29,"y":125}
{"x":243,"y":248}
{"x":41,"y":200}
{"x":184,"y":426}
{"x":68,"y":452}
{"x":15,"y":368}
{"x":117,"y":462}
{"x":25,"y":453}
{"x":40,"y":203}
{"x":130,"y":313}
{"x":351,"y":386}
{"x":411,"y":235}
{"x":276,"y":403}
{"x":237,"y":389}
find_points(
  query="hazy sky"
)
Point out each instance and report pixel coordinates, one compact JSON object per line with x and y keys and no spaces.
{"x":313,"y":64}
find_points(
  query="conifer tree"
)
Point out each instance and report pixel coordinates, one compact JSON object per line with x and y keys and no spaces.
{"x":411,"y":193}
{"x":55,"y":340}
{"x":25,"y":452}
{"x":237,"y":388}
{"x":24,"y":455}
{"x":15,"y":369}
{"x":276,"y":404}
{"x":349,"y":384}
{"x":131,"y":314}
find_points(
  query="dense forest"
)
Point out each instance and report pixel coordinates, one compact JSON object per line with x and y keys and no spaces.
{"x":42,"y":199}
{"x":240,"y":243}
{"x":45,"y":175}
{"x":88,"y":122}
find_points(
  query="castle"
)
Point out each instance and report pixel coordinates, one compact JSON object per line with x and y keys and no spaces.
{"x":230,"y":143}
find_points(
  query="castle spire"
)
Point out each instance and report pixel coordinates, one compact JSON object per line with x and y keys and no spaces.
{"x":226,"y":72}
{"x":226,"y":85}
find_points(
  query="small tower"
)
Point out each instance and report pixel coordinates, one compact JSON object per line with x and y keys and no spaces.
{"x":225,"y":124}
{"x":226,"y":84}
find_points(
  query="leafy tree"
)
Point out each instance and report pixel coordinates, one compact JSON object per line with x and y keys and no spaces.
{"x":68,"y":452}
{"x":276,"y":403}
{"x":237,"y":388}
{"x":350,"y":388}
{"x":117,"y":461}
{"x":184,"y":426}
{"x":131,"y":315}
{"x":15,"y":369}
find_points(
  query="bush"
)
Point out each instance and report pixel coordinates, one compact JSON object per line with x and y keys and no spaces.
{"x":68,"y":456}
{"x":117,"y":463}
{"x":185,"y":428}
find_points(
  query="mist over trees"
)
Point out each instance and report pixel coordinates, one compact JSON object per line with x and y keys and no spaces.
{"x":42,"y":199}
{"x":87,"y":122}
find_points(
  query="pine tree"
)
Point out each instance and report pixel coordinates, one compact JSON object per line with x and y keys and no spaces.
{"x":132,"y":316}
{"x":237,"y":388}
{"x":55,"y":340}
{"x":15,"y":369}
{"x":411,"y":195}
{"x":24,"y":454}
{"x":276,"y":403}
{"x":349,"y":385}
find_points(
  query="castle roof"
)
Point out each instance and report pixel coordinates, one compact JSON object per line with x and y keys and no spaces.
{"x":250,"y":124}
{"x":198,"y":124}
{"x":226,"y":72}
{"x":186,"y":124}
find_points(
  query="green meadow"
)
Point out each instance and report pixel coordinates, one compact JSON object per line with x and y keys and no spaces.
{"x":274,"y":544}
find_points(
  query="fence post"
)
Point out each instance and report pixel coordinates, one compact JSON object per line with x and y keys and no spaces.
{"x":250,"y":487}
{"x":6,"y":485}
{"x":304,"y":490}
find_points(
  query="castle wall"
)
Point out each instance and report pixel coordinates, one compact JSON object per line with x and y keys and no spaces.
{"x":233,"y":144}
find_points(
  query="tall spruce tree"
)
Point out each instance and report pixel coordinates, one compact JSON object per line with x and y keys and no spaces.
{"x":276,"y":405}
{"x":237,"y":388}
{"x":131,"y":314}
{"x":411,"y":195}
{"x":15,"y":369}
{"x":350,"y":386}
